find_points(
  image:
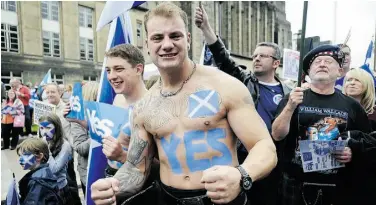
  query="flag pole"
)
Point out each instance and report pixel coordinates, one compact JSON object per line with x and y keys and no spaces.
{"x":302,"y":40}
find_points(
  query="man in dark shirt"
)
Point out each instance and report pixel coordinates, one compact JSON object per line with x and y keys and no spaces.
{"x":318,"y":113}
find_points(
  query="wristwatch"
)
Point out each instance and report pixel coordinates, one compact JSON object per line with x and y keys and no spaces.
{"x":246,"y":180}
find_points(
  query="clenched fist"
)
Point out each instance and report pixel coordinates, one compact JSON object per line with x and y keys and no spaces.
{"x":103,"y":191}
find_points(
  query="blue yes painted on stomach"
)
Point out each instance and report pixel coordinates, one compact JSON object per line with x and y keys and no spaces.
{"x":203,"y":103}
{"x":196,"y":142}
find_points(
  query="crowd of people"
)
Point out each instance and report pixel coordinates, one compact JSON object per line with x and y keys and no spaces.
{"x":207,"y":136}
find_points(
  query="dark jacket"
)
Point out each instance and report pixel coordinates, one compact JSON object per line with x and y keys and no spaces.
{"x":226,"y":64}
{"x":357,"y":182}
{"x":40,"y":187}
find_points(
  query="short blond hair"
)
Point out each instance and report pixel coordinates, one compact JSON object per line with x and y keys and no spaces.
{"x":167,"y":10}
{"x":368,"y":92}
{"x":34,"y":146}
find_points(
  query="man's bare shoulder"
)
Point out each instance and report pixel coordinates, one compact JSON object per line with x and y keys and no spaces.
{"x":231,"y":89}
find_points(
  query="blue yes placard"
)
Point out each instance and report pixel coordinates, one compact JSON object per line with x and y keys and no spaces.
{"x":105,"y":120}
{"x":76,"y":103}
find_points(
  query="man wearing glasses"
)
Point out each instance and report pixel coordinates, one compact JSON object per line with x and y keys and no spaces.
{"x":266,"y":90}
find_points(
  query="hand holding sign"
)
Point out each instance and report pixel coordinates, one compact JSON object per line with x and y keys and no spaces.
{"x":113,"y":149}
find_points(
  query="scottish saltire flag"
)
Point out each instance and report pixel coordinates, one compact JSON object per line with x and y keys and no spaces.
{"x":206,"y":57}
{"x":113,"y":9}
{"x":367,"y":61}
{"x":203,"y":103}
{"x":76,"y":103}
{"x":114,"y":12}
{"x":38,"y":92}
{"x":12,"y":196}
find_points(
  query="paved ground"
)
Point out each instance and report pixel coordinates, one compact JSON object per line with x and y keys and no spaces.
{"x":9,"y":164}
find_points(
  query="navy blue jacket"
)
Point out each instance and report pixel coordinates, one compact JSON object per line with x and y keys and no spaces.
{"x":40,"y":187}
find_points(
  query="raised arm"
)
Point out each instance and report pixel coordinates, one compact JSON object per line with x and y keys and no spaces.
{"x":252,"y":132}
{"x":285,"y":110}
{"x":134,"y":172}
{"x":216,"y":46}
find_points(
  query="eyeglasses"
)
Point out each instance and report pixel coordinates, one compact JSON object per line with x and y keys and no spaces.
{"x":262,"y":56}
{"x":319,"y":61}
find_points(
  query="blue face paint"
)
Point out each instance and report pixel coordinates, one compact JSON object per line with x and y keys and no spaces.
{"x":27,"y":160}
{"x":47,"y":130}
{"x":213,"y":136}
{"x":203,"y":103}
{"x":195,"y":164}
{"x":170,"y":150}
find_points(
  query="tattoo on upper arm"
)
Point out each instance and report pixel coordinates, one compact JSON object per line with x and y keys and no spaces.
{"x":138,"y":146}
{"x":248,"y":100}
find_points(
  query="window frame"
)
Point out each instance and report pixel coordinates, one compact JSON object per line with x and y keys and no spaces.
{"x":50,"y":7}
{"x":51,"y":38}
{"x":8,"y":38}
{"x":139,"y":32}
{"x":57,"y":80}
{"x":84,"y":43}
{"x":85,"y":13}
{"x":6,"y":6}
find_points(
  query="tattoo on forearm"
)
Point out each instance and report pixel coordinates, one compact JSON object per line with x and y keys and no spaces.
{"x":248,"y":100}
{"x":130,"y":178}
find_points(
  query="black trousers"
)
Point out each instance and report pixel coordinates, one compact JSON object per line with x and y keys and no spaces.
{"x":156,"y":195}
{"x":27,"y":120}
{"x":7,"y":131}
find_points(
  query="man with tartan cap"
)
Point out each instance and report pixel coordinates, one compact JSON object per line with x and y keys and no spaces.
{"x":319,"y":113}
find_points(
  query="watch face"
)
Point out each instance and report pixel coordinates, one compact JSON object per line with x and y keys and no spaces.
{"x":247,"y":184}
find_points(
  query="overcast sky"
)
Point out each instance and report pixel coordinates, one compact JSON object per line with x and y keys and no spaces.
{"x":358,"y":15}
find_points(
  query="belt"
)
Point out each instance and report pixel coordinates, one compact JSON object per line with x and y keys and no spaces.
{"x":241,"y":199}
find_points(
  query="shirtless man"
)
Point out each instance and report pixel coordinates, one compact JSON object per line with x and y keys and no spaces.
{"x":190,"y":117}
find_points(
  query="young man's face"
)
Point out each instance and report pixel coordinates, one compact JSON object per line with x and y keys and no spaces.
{"x":53,"y":94}
{"x":121,"y":75}
{"x":167,"y":41}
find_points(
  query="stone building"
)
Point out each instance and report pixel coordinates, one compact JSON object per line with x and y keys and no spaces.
{"x":61,"y":35}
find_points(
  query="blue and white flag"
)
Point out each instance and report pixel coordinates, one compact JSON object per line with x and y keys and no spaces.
{"x":103,"y":120}
{"x":367,"y":61}
{"x":120,"y":32}
{"x":12,"y":196}
{"x":206,"y":57}
{"x":38,"y":92}
{"x":76,"y":103}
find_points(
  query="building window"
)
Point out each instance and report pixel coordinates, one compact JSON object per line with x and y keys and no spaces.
{"x":85,"y":17}
{"x":139,"y":34}
{"x":90,"y":78}
{"x":86,"y":49}
{"x":50,"y":10}
{"x":9,"y":38}
{"x":58,"y":78}
{"x":6,"y":76}
{"x":51,"y":44}
{"x":9,"y":6}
